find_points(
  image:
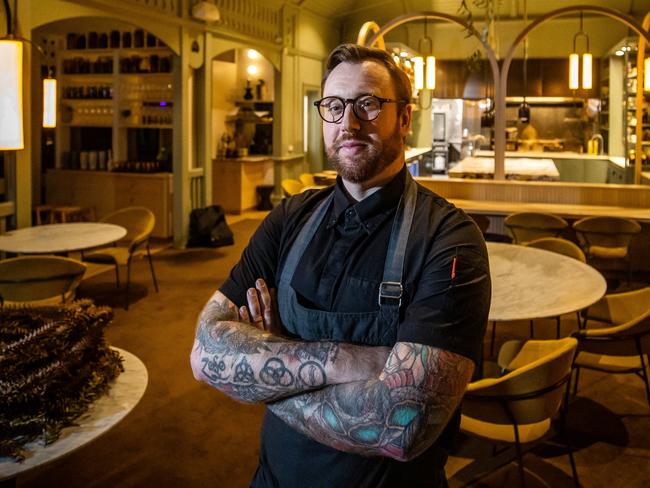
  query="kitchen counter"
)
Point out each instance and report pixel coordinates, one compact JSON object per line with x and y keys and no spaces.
{"x":234,"y":181}
{"x":516,"y":169}
{"x":619,"y":161}
{"x":414,"y":152}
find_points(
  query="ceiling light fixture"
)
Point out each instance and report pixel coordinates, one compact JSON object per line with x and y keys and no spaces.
{"x":574,"y":63}
{"x":425,"y":67}
{"x":11,"y":88}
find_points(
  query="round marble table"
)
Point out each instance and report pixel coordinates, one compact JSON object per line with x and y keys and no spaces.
{"x":530,"y":283}
{"x":60,"y":238}
{"x":103,"y":414}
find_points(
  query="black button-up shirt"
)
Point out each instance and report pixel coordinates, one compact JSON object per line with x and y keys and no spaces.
{"x":445,"y":302}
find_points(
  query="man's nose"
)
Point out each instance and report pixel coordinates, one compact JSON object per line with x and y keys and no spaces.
{"x":349,"y":121}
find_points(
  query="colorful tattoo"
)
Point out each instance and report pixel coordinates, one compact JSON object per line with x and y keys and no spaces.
{"x":399,"y":415}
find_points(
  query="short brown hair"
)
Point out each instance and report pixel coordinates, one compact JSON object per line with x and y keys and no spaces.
{"x":356,"y":54}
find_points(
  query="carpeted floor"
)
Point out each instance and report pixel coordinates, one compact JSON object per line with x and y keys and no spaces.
{"x":184,"y":434}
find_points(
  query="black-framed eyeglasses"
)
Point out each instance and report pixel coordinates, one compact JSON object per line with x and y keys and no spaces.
{"x":365,"y":107}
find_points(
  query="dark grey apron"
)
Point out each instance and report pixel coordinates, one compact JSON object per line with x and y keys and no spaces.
{"x":379,"y":327}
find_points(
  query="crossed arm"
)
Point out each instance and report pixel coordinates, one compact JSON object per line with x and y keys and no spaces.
{"x":361,"y":399}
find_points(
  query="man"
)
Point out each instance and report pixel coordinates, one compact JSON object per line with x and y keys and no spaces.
{"x":383,"y":294}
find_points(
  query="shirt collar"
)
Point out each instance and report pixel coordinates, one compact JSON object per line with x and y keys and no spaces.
{"x":371,"y":210}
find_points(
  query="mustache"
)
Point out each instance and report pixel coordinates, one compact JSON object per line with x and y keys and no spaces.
{"x":343,"y":140}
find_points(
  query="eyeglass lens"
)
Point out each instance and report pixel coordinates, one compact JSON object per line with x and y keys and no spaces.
{"x":365,"y":108}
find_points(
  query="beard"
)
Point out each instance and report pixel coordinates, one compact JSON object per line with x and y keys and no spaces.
{"x":369,"y":162}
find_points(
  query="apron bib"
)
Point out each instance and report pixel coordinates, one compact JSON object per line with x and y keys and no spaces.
{"x":377,"y":328}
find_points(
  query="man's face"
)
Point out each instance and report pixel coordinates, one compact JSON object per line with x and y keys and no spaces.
{"x":360,"y":150}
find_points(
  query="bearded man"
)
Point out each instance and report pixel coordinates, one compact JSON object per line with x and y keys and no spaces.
{"x":383,"y":293}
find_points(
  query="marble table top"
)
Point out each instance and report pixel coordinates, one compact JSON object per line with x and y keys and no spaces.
{"x":530,"y":283}
{"x":103,"y":414}
{"x":56,"y":238}
{"x":515,"y":168}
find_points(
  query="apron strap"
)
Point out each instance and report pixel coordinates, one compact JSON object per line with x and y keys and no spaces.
{"x":391,"y":289}
{"x":304,"y":237}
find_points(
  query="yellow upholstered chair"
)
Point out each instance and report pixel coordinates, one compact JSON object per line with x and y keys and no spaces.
{"x":39,"y":280}
{"x":560,"y":246}
{"x":528,"y":226}
{"x":607,"y":237}
{"x":518,"y":407}
{"x":619,"y":308}
{"x":307,"y":179}
{"x":619,"y":349}
{"x":139,"y":223}
{"x":291,"y":187}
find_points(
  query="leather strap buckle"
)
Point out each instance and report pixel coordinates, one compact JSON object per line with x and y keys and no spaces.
{"x":390,"y":290}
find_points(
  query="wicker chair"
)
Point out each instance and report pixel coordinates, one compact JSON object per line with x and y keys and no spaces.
{"x":528,"y":226}
{"x":139,"y":223}
{"x":39,"y":280}
{"x":518,"y":407}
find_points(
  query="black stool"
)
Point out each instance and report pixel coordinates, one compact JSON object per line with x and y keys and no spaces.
{"x":265,"y":191}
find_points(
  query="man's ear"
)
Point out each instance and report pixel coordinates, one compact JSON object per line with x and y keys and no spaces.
{"x":405,"y":120}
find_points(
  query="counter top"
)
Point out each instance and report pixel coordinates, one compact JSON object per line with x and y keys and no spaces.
{"x":620,"y":161}
{"x":130,"y":174}
{"x":245,"y":159}
{"x":516,"y":168}
{"x":414,"y":152}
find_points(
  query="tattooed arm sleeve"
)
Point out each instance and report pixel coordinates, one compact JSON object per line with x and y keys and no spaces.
{"x":251,"y":365}
{"x":397,"y":415}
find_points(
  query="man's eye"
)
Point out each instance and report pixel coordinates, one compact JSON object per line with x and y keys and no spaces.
{"x":335,"y":107}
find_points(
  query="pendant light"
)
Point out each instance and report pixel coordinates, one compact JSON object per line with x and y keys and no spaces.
{"x":49,"y":101}
{"x":425,"y":67}
{"x":523,"y":114}
{"x":574,"y":63}
{"x":11,"y":95}
{"x":11,"y":88}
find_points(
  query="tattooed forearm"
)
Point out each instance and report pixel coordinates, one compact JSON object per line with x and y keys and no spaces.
{"x":398,"y":415}
{"x":254,"y":366}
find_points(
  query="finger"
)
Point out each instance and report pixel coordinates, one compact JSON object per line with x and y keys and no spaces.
{"x":267,"y":303}
{"x":243,"y":315}
{"x":254,"y":308}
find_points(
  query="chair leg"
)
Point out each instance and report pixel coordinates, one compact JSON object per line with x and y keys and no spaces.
{"x":643,"y":373}
{"x":520,"y":457}
{"x":564,"y":412}
{"x":532,"y":329}
{"x":580,"y":326}
{"x":153,"y":274}
{"x":117,"y":275}
{"x":557,"y":321}
{"x":128,"y":283}
{"x":575,"y":385}
{"x":494,"y":330}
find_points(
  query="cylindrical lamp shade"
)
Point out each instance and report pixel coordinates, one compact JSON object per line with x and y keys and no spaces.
{"x":11,"y":95}
{"x":49,"y":102}
{"x":574,"y":71}
{"x":431,"y":73}
{"x":646,"y":74}
{"x":418,"y":69}
{"x":587,"y":63}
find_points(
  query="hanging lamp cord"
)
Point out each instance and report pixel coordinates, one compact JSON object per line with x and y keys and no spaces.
{"x":8,"y":18}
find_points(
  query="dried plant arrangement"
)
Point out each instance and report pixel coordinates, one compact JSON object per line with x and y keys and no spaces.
{"x":54,"y":362}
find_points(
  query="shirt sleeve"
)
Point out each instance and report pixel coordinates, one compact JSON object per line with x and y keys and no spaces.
{"x":451,"y":301}
{"x":258,"y":260}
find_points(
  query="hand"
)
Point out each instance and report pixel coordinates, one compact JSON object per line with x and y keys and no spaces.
{"x":262,"y":310}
